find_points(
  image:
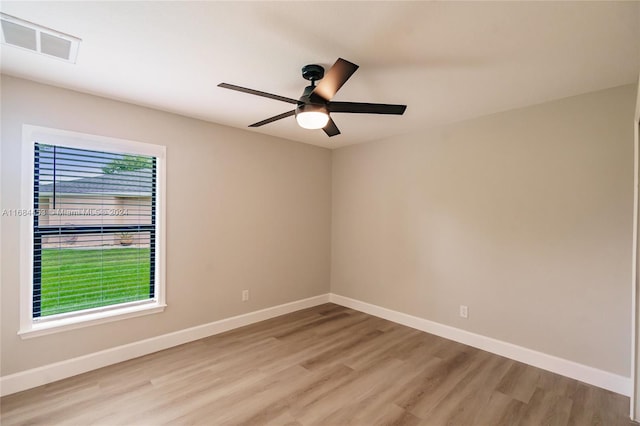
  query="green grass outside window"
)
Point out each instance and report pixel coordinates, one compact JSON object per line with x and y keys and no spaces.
{"x":76,"y":279}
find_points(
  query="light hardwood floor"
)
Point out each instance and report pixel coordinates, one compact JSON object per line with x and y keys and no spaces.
{"x":326,"y":365}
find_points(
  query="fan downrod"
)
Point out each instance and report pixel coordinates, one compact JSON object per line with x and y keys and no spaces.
{"x":312,"y":72}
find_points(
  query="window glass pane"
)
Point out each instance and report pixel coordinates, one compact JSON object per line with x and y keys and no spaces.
{"x":80,"y":272}
{"x":94,"y":235}
{"x":82,"y":187}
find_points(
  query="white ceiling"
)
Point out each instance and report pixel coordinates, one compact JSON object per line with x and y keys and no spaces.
{"x":448,"y":61}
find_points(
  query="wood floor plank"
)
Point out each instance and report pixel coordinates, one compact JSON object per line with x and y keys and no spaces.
{"x":520,"y":382}
{"x":500,"y":410}
{"x":321,"y":383}
{"x":327,"y":365}
{"x":435,"y":385}
{"x":358,"y":386}
{"x":547,"y":408}
{"x":470,"y":396}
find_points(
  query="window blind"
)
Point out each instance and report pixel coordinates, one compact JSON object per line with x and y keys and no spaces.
{"x":94,"y":229}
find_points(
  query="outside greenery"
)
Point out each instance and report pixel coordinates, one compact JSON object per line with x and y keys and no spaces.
{"x":74,"y":279}
{"x":128,"y":163}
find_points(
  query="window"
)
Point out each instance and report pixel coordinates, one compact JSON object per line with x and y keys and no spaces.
{"x":93,"y":222}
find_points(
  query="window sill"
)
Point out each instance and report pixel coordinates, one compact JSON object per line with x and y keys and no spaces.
{"x":55,"y":326}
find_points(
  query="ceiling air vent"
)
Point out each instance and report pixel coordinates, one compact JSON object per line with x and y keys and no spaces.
{"x":36,"y":38}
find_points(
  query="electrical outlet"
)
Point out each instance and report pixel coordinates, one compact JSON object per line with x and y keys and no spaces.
{"x":464,"y":311}
{"x":245,"y":295}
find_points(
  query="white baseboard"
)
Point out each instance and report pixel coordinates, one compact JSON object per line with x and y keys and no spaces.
{"x":574,"y":370}
{"x":60,"y":370}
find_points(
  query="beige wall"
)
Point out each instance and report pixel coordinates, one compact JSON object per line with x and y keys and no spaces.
{"x":524,"y":216}
{"x":244,"y":211}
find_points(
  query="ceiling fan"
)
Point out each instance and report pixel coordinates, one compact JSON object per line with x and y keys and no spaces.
{"x":314,"y":106}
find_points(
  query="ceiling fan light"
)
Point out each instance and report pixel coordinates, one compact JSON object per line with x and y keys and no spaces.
{"x":312,"y":116}
{"x":312,"y":119}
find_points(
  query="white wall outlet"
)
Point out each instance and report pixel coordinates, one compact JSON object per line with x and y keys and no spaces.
{"x":245,"y":295}
{"x":464,"y":311}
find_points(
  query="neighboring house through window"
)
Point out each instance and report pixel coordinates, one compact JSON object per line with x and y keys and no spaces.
{"x":94,"y":231}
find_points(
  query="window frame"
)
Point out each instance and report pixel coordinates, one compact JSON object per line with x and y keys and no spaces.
{"x":37,"y":134}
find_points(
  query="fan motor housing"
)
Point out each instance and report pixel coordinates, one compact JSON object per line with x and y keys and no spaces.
{"x":312,"y":72}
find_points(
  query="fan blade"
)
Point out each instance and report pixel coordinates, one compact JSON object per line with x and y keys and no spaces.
{"x":333,"y":79}
{"x":257,"y":93}
{"x":331,"y":129}
{"x":274,"y":118}
{"x":364,"y":108}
